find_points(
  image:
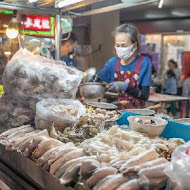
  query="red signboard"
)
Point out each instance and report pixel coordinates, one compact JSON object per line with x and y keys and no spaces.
{"x":37,"y":23}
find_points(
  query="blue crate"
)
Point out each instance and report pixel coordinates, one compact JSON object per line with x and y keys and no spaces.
{"x":172,"y":130}
{"x":123,"y":119}
{"x":176,"y":130}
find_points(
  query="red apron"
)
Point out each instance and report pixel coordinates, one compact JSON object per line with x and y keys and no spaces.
{"x":130,"y":77}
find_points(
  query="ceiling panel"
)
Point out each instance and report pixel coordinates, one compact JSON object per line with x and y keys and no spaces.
{"x":171,"y":9}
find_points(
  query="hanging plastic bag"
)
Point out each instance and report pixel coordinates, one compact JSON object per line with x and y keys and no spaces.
{"x":62,"y":112}
{"x":29,"y":76}
{"x":179,"y":168}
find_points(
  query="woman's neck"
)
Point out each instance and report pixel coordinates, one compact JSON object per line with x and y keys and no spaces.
{"x":128,"y":61}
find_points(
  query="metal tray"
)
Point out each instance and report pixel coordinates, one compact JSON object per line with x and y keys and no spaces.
{"x":29,"y":171}
{"x":145,"y":112}
{"x":103,"y":105}
{"x":183,"y":120}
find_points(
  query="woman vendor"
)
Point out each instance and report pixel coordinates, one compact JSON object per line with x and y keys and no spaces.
{"x":128,"y":73}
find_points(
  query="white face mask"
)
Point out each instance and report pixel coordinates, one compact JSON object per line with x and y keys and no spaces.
{"x":125,"y":52}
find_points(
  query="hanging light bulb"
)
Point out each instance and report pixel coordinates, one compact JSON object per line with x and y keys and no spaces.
{"x":65,"y":3}
{"x":12,"y":31}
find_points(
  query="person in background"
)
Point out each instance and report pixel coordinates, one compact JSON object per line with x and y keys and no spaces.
{"x":170,"y":86}
{"x":156,"y":81}
{"x":154,"y":73}
{"x":186,"y":93}
{"x":186,"y":86}
{"x":172,"y":65}
{"x":129,"y":73}
{"x":68,"y":46}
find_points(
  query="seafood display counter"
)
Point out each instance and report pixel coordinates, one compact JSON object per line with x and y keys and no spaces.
{"x":56,"y":142}
{"x":29,"y":171}
{"x":115,"y":159}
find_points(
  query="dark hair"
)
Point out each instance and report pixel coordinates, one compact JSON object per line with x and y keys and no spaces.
{"x":153,"y":70}
{"x":69,"y":37}
{"x":173,"y":62}
{"x":171,"y":73}
{"x":132,"y":31}
{"x":189,"y":74}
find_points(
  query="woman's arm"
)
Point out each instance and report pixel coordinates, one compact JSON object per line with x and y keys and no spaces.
{"x":177,"y":73}
{"x":171,"y":86}
{"x":106,"y":73}
{"x":120,"y":86}
{"x":144,"y":83}
{"x":142,"y":93}
{"x":165,"y":85}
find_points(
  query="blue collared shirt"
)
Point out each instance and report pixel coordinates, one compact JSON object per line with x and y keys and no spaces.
{"x":69,"y":61}
{"x":107,"y":73}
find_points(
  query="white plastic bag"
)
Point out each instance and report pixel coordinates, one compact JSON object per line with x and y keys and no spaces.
{"x":46,"y":114}
{"x":35,"y":77}
{"x":14,"y":113}
{"x":178,"y":169}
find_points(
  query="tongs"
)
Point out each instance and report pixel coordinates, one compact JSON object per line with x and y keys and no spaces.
{"x":115,"y":95}
{"x":155,"y":107}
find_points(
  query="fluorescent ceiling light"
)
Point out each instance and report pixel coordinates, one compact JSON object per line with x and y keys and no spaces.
{"x":153,"y":15}
{"x":180,"y":13}
{"x":160,"y":4}
{"x":65,"y":3}
{"x":32,"y":1}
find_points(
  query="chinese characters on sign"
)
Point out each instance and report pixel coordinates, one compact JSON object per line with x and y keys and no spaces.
{"x":37,"y":23}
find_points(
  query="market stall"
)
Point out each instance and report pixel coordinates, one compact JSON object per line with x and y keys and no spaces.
{"x":50,"y":140}
{"x":73,"y":146}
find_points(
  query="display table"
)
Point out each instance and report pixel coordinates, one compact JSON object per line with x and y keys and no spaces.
{"x":163,"y":98}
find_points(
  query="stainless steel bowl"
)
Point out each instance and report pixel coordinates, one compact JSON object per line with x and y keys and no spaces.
{"x":183,"y":120}
{"x":92,"y":90}
{"x":144,"y":112}
{"x":89,"y":74}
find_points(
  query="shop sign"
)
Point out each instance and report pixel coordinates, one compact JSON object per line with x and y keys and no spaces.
{"x":37,"y":23}
{"x":6,"y":12}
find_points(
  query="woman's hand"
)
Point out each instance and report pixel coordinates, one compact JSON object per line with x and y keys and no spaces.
{"x":117,"y":87}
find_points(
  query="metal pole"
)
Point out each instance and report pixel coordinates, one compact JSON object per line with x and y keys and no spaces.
{"x":58,"y":37}
{"x":162,"y":55}
{"x":80,"y":5}
{"x":29,"y":9}
{"x":18,"y":16}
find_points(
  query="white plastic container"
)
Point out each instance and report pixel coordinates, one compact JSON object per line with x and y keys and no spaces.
{"x":152,"y":130}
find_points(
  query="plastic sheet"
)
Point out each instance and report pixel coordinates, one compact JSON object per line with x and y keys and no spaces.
{"x":178,"y":169}
{"x":35,"y":77}
{"x":14,"y":113}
